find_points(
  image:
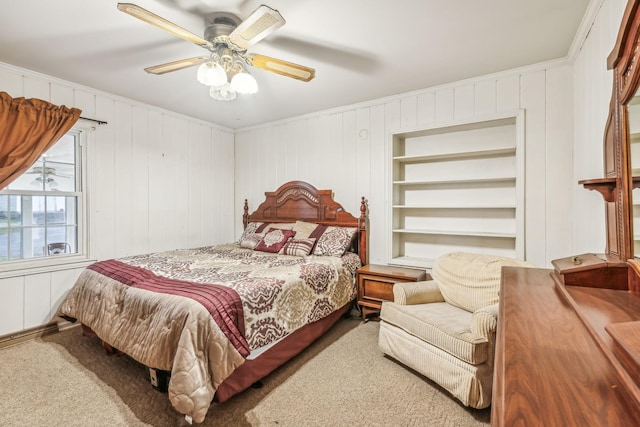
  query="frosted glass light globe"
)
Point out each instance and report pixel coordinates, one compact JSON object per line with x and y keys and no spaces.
{"x":244,"y":83}
{"x":211,"y":74}
{"x":222,"y":93}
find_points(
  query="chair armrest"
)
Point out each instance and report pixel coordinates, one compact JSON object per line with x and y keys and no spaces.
{"x":409,"y":293}
{"x":484,"y":321}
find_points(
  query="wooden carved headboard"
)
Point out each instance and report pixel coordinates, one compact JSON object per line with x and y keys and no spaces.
{"x":301,"y":201}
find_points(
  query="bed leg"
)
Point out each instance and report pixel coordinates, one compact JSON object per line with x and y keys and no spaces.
{"x":87,"y":331}
{"x":109,"y":349}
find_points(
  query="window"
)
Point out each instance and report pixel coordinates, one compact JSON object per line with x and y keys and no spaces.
{"x":40,"y":212}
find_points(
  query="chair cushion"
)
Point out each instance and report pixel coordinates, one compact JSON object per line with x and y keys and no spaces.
{"x":440,"y":324}
{"x":471,"y":281}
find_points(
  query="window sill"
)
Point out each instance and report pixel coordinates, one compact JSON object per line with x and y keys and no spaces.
{"x":49,"y":264}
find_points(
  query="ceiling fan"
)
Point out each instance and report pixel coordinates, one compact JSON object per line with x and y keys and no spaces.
{"x":227,"y":38}
{"x":46,"y":171}
{"x":46,"y":176}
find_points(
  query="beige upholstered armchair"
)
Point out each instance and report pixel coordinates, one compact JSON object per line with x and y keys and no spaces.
{"x":445,"y":328}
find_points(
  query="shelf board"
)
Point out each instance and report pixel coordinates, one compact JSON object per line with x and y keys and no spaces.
{"x":607,"y":186}
{"x":457,"y":180}
{"x":408,"y":261}
{"x":470,"y":233}
{"x":454,"y":206}
{"x":456,"y":155}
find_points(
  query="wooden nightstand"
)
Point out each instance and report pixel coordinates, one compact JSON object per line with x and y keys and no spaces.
{"x":375,"y":284}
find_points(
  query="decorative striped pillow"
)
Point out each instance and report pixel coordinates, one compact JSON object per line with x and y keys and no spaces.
{"x":298,"y":247}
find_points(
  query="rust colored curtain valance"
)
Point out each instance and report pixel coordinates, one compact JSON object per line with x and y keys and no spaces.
{"x":28,"y":127}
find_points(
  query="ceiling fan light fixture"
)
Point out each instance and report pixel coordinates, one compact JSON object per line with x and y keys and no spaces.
{"x":38,"y":182}
{"x":211,"y":73}
{"x":243,"y":82}
{"x":222,"y":93}
{"x":227,"y":39}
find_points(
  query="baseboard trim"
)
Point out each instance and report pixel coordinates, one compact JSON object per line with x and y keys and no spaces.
{"x":32,"y":333}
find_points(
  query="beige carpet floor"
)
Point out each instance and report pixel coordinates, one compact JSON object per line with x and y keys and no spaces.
{"x":343,"y":379}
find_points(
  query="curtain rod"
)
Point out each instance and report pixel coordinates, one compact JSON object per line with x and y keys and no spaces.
{"x":100,"y":122}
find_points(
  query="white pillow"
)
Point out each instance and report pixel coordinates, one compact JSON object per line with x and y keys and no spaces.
{"x":471,"y":281}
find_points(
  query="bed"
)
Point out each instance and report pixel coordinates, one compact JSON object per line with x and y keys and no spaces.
{"x":220,"y":318}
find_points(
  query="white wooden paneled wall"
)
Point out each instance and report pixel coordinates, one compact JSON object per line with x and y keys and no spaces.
{"x":157,"y":181}
{"x":330,"y":150}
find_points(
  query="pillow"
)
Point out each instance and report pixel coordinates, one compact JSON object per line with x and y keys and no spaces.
{"x":252,"y":227}
{"x":297,"y":247}
{"x":268,"y":225}
{"x":251,"y":240}
{"x":274,"y":240}
{"x":469,"y":280}
{"x":334,"y":241}
{"x":304,"y":229}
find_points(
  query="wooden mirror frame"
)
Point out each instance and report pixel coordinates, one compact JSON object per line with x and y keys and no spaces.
{"x":617,"y":185}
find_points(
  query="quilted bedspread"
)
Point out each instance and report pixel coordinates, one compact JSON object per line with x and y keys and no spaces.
{"x":279,"y":294}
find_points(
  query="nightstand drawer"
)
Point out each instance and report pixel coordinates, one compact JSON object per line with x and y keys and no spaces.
{"x":377,"y":289}
{"x":375,"y":284}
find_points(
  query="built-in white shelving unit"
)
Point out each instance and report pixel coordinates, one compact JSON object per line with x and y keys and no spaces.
{"x":457,"y":186}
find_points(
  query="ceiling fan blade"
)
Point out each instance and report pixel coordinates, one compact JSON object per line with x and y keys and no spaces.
{"x":262,"y":22}
{"x":176,"y":65}
{"x":281,"y":67}
{"x":168,"y":26}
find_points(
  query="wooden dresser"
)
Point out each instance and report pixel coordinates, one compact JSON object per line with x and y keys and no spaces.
{"x":556,"y":364}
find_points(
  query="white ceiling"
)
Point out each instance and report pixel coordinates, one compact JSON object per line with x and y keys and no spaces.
{"x":361,"y":49}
